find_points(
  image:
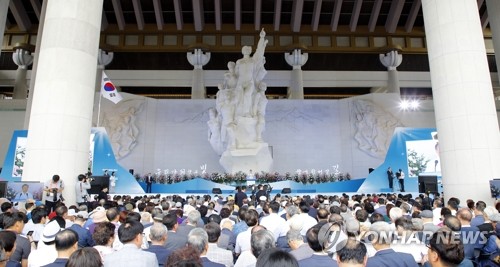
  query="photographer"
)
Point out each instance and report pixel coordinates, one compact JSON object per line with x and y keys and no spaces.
{"x":81,"y":189}
{"x":53,"y":192}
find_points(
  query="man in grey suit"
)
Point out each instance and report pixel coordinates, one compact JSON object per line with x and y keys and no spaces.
{"x":174,"y":240}
{"x":428,"y":222}
{"x":192,"y":222}
{"x":130,"y":234}
{"x":300,"y":250}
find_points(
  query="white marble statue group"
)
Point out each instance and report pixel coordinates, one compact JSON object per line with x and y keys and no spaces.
{"x":238,"y":119}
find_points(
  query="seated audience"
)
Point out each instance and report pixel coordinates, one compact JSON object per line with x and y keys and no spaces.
{"x":130,"y":234}
{"x":320,"y":257}
{"x":66,"y":243}
{"x":88,"y":257}
{"x":352,"y":254}
{"x":103,"y":237}
{"x":261,"y":240}
{"x":7,"y":247}
{"x":276,"y":258}
{"x":158,"y":236}
{"x":385,"y":256}
{"x":214,"y":253}
{"x":198,"y":239}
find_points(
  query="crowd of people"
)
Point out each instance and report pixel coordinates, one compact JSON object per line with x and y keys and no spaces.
{"x":279,"y":230}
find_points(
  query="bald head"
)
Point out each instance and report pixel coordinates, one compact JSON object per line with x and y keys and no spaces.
{"x":464,"y":215}
{"x":452,"y":223}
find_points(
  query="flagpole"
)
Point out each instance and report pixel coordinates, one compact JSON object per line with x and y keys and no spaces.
{"x":99,"y":109}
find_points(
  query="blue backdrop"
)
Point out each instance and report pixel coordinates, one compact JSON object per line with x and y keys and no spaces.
{"x":397,"y":158}
{"x":103,"y":159}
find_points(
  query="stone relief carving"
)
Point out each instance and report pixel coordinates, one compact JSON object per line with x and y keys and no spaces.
{"x":373,"y":127}
{"x":121,"y":126}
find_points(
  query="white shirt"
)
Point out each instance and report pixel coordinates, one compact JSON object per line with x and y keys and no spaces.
{"x":36,"y":228}
{"x":21,"y":196}
{"x":219,"y":255}
{"x":416,"y":248}
{"x":309,"y":222}
{"x":436,"y":216}
{"x":42,"y":256}
{"x":243,"y":241}
{"x":112,"y":181}
{"x":274,"y":223}
{"x":246,"y":259}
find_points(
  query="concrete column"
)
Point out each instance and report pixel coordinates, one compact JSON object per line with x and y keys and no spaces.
{"x":391,"y":60}
{"x":4,"y":8}
{"x":296,"y":59}
{"x":31,"y":91}
{"x":465,"y":112}
{"x":198,"y":59}
{"x":61,"y":115}
{"x":23,"y":58}
{"x":493,"y":7}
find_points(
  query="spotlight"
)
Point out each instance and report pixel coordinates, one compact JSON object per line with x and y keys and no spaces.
{"x":413,"y":104}
{"x":404,"y":104}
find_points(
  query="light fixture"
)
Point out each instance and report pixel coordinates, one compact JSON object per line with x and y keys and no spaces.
{"x":406,"y":104}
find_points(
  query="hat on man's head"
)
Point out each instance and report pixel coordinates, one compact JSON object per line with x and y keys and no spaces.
{"x":158,"y":217}
{"x":82,"y":214}
{"x":129,"y":206}
{"x":230,"y":198}
{"x":178,"y":205}
{"x":426,"y":214}
{"x":99,"y":216}
{"x":72,"y":212}
{"x":50,"y":231}
{"x":495,"y":217}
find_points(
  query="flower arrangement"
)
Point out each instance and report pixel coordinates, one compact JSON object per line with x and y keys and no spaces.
{"x":300,"y":176}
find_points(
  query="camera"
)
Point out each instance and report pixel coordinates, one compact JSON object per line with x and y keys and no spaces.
{"x":53,"y":191}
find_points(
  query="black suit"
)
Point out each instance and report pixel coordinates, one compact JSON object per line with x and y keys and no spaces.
{"x":149,"y":181}
{"x":390,"y":177}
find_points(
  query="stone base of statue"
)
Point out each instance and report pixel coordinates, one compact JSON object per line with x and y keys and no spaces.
{"x":257,"y":159}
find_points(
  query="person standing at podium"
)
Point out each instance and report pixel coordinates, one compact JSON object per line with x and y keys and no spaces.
{"x":401,"y":179}
{"x":149,"y":181}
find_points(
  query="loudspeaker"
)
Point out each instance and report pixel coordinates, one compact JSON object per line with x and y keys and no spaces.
{"x":98,"y":183}
{"x":427,"y":184}
{"x":286,"y":190}
{"x":370,"y":170}
{"x":131,"y":171}
{"x":216,"y":191}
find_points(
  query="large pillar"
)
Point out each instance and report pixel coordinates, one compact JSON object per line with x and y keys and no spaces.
{"x":493,"y":7}
{"x":198,"y":59}
{"x":23,"y":58}
{"x":35,"y":65}
{"x":296,"y":59}
{"x":465,"y":112}
{"x":391,"y":60}
{"x":61,"y":114}
{"x":4,"y":8}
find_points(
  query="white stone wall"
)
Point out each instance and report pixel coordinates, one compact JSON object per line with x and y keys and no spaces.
{"x":303,"y":134}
